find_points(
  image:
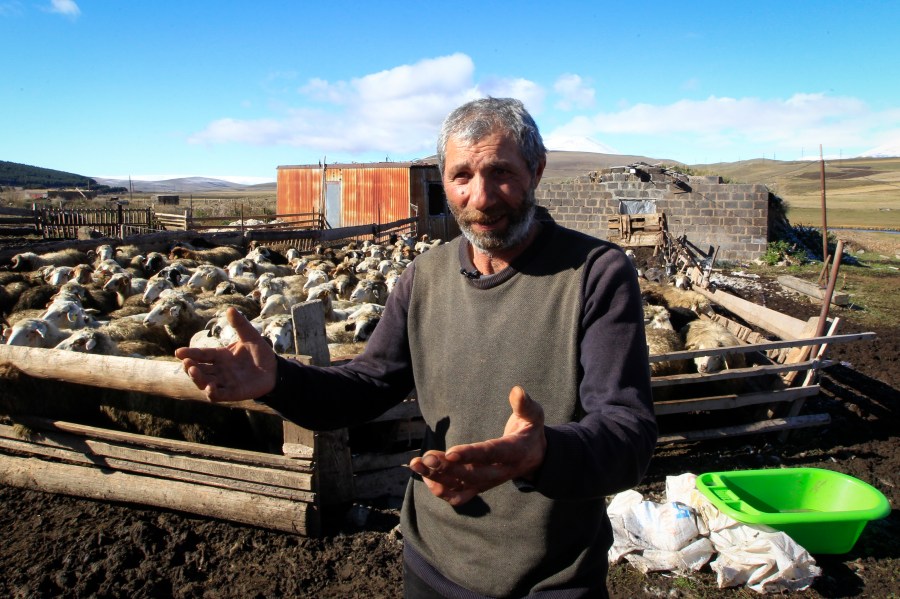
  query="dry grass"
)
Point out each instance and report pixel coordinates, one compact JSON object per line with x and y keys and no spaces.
{"x":859,"y":192}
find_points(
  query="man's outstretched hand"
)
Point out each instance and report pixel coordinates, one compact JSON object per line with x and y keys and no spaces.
{"x":462,"y":472}
{"x":246,"y":369}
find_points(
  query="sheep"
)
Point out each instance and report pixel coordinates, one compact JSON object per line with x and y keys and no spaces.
{"x":90,"y":341}
{"x":663,"y":341}
{"x":275,"y":305}
{"x":218,"y":256}
{"x":154,"y":262}
{"x":29,"y":261}
{"x":34,"y":332}
{"x":67,"y":314}
{"x":35,"y":297}
{"x":235,"y":286}
{"x":369,"y":291}
{"x":708,"y":334}
{"x":206,"y":277}
{"x":390,"y":280}
{"x":83,"y":273}
{"x":57,"y":275}
{"x":279,"y":330}
{"x":134,"y":337}
{"x":315,"y":277}
{"x":179,"y":317}
{"x":662,"y":294}
{"x":121,"y":285}
{"x":208,"y":305}
{"x":262,"y":253}
{"x":657,"y":317}
{"x":154,"y":288}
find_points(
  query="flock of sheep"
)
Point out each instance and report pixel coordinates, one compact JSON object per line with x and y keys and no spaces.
{"x":120,"y":301}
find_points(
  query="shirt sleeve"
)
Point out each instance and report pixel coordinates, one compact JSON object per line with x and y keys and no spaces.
{"x":609,"y":448}
{"x":323,"y":398}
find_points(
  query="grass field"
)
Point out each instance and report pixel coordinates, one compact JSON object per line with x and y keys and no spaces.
{"x":859,"y":192}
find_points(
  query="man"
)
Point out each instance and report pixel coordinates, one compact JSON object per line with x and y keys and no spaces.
{"x":525,"y":344}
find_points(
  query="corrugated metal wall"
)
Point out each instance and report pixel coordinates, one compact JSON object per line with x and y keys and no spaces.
{"x":299,"y":190}
{"x":374,"y":195}
{"x":369,"y":194}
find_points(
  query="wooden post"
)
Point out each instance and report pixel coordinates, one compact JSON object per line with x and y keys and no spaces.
{"x":330,"y":449}
{"x":824,"y":219}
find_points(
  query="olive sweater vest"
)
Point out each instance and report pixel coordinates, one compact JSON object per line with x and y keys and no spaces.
{"x":471,"y":341}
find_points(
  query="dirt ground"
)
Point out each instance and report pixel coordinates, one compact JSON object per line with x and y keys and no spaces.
{"x":57,"y":546}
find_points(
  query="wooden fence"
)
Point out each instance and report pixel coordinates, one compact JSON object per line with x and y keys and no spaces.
{"x":18,"y":222}
{"x":64,"y":223}
{"x":186,"y":221}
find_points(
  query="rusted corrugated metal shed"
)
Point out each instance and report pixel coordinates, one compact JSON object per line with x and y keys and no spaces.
{"x":359,"y":194}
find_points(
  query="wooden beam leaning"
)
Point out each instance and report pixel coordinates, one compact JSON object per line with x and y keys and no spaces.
{"x":812,"y":290}
{"x":782,"y":325}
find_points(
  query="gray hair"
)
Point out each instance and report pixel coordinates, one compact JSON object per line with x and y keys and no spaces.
{"x":479,"y":118}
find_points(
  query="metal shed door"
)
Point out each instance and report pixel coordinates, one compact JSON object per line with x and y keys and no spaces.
{"x":333,"y":203}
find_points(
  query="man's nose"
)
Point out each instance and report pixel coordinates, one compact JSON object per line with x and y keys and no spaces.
{"x":481,"y":195}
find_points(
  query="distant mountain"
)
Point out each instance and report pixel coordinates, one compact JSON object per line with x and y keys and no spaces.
{"x":181,"y":185}
{"x":888,"y":150}
{"x":15,"y":174}
{"x":575,"y":164}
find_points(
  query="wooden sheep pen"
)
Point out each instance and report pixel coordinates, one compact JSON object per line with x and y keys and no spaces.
{"x":293,"y":488}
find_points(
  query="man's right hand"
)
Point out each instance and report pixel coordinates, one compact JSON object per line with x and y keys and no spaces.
{"x":246,"y":369}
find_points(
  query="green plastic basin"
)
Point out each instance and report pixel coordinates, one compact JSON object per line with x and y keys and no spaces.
{"x":823,"y":511}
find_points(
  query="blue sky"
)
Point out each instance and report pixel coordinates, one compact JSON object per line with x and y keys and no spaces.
{"x":112,"y":88}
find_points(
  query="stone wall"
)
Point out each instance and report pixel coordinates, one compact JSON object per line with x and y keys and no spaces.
{"x":707,"y":211}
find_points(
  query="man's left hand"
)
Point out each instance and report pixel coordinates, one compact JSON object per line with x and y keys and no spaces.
{"x":463,"y":471}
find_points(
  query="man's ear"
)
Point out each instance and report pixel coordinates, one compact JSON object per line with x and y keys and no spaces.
{"x":539,"y":172}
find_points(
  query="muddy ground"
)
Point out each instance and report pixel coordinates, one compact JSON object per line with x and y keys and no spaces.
{"x":57,"y":546}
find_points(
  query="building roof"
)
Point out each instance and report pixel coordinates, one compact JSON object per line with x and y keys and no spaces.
{"x":348,"y":165}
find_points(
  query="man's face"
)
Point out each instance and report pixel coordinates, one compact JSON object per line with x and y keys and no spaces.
{"x":490,"y":191}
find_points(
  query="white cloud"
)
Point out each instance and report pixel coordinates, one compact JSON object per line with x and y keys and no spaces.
{"x":65,"y":7}
{"x":397,"y":111}
{"x":722,"y":123}
{"x":575,"y":93}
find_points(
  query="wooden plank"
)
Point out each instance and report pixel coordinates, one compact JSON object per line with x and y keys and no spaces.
{"x":309,"y":332}
{"x":240,"y":456}
{"x":799,"y":354}
{"x":156,"y":377}
{"x":741,"y":349}
{"x":156,"y":471}
{"x":812,"y":290}
{"x":297,"y":450}
{"x":382,"y":483}
{"x":727,"y":402}
{"x":736,"y":373}
{"x":169,"y":460}
{"x":331,"y":449}
{"x":110,"y":485}
{"x":754,"y":428}
{"x":379,"y":461}
{"x":781,"y":325}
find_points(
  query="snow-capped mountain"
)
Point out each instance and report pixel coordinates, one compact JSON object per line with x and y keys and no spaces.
{"x":574,"y":143}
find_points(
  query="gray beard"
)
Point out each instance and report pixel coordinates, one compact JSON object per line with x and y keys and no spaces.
{"x":520,"y":223}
